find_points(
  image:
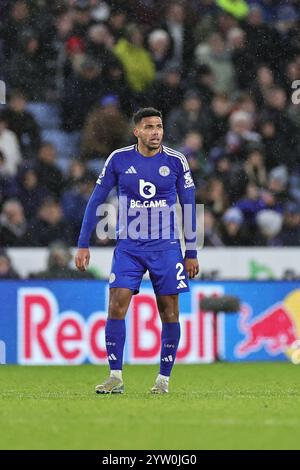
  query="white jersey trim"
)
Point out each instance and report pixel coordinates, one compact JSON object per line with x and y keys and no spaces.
{"x":123,"y":149}
{"x":174,"y":153}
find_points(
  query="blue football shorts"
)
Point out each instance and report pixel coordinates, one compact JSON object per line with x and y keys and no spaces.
{"x":166,"y":270}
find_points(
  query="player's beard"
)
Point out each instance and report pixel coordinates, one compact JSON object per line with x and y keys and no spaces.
{"x":152,"y":147}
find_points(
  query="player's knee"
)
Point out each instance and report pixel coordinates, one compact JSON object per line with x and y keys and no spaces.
{"x":116,"y":310}
{"x":169,"y":315}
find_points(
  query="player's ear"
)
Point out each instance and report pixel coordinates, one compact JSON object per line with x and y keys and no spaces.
{"x":136,"y":132}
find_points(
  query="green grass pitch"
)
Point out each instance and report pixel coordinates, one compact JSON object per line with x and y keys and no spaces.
{"x":218,"y":406}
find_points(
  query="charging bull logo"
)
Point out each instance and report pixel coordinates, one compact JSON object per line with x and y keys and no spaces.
{"x":276,"y":330}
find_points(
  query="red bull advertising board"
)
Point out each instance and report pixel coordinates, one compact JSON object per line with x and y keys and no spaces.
{"x":63,"y":322}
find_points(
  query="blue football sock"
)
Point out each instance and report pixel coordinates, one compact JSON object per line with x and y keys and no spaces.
{"x":170,"y":336}
{"x":115,"y":334}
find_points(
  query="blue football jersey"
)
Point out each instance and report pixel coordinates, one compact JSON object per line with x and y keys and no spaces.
{"x":147,"y":190}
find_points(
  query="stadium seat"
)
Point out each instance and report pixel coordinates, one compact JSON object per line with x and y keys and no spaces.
{"x":46,"y":115}
{"x":66,"y":143}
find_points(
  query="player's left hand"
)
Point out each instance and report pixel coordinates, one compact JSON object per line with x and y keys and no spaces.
{"x":192,"y":267}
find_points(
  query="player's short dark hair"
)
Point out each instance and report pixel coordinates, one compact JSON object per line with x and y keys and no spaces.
{"x":146,"y":112}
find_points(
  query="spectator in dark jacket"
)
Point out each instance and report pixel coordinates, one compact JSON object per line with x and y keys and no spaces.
{"x":179,"y":28}
{"x":190,"y":116}
{"x":81,"y":90}
{"x":82,"y":18}
{"x":18,"y":20}
{"x":99,"y":45}
{"x":49,"y":174}
{"x":167,"y":92}
{"x":30,"y":191}
{"x":22,"y":124}
{"x":50,"y":226}
{"x":290,"y":233}
{"x":160,"y":48}
{"x":75,"y":200}
{"x":232,"y":233}
{"x":114,"y":83}
{"x":27,"y":70}
{"x":13,"y":225}
{"x":6,"y":269}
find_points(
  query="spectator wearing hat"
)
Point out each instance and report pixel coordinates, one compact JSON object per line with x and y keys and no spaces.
{"x":100,"y":10}
{"x":82,"y":18}
{"x":159,"y":44}
{"x":6,"y":269}
{"x":75,"y":45}
{"x":105,"y":129}
{"x":240,"y":135}
{"x":278,"y":184}
{"x":71,"y":53}
{"x":232,"y":232}
{"x":269,"y":224}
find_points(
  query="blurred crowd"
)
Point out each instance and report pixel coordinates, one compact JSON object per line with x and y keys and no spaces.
{"x":220,"y":71}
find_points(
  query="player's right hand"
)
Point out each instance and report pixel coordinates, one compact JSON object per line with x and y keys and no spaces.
{"x":82,"y":259}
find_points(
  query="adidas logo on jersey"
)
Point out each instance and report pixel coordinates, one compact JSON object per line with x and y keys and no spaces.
{"x":167,"y":359}
{"x":131,"y":171}
{"x":181,"y":285}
